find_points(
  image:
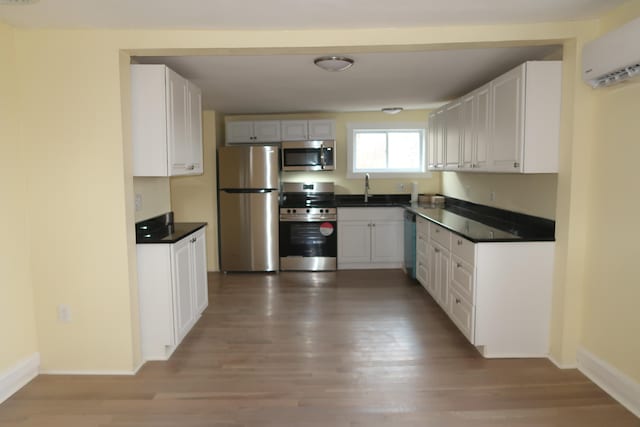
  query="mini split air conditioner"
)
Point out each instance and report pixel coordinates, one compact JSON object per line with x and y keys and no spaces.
{"x":614,"y":57}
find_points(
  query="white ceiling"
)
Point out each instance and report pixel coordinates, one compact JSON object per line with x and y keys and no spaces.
{"x":290,"y":83}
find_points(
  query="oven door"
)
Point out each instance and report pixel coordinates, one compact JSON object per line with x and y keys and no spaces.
{"x":308,"y":245}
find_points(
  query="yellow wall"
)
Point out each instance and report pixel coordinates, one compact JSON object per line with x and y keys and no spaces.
{"x":79,"y":171}
{"x":427,"y":183}
{"x":530,"y":194}
{"x":18,"y":333}
{"x":194,"y":198}
{"x":79,"y":200}
{"x":156,"y":196}
{"x":611,"y":318}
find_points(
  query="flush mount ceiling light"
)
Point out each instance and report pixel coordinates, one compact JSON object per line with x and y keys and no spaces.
{"x":17,"y":2}
{"x":333,"y":63}
{"x":392,"y":110}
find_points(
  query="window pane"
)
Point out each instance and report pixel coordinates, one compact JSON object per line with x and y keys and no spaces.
{"x":404,"y":150}
{"x":371,"y":150}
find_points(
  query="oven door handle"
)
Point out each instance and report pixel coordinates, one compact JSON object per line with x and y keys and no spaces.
{"x":287,"y":218}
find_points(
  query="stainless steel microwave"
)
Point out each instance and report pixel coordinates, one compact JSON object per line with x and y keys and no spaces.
{"x":309,"y":155}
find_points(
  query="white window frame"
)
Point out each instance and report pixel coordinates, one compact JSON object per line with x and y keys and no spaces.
{"x":353,"y":127}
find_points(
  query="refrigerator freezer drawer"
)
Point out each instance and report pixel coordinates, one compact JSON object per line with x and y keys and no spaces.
{"x":248,"y":231}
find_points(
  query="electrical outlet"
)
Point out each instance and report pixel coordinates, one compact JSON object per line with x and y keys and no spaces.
{"x":138,"y":202}
{"x":492,"y":195}
{"x":401,"y":187}
{"x":64,"y":313}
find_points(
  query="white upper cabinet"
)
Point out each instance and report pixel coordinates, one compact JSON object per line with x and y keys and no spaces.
{"x":166,"y":122}
{"x":252,"y":132}
{"x":525,"y":111}
{"x":511,"y":124}
{"x":452,"y":138}
{"x":302,"y":130}
{"x":436,"y":139}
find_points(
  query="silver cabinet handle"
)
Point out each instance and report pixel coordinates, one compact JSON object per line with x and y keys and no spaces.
{"x":459,"y":242}
{"x":436,"y":250}
{"x":458,"y":301}
{"x":373,"y":225}
{"x":516,"y":165}
{"x":191,"y":167}
{"x":458,"y":265}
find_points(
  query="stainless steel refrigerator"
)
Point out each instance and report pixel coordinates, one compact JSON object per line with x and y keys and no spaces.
{"x":248,"y":184}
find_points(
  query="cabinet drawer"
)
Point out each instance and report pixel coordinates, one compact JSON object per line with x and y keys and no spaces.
{"x":462,"y":278}
{"x":371,"y":214}
{"x":461,"y":312}
{"x":463,"y":248}
{"x":422,"y":226}
{"x":440,"y":235}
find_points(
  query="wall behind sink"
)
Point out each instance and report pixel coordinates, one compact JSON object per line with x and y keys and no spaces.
{"x":427,"y":183}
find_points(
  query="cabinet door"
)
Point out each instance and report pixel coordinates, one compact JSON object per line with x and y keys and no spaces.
{"x":183,"y":310}
{"x":179,"y":144}
{"x":322,"y":129}
{"x":431,"y":142}
{"x":433,"y":284}
{"x":238,"y":132}
{"x":201,"y":292}
{"x":443,"y":272}
{"x":387,"y":242}
{"x":293,"y":130}
{"x":507,"y":111}
{"x":354,"y":242}
{"x":195,"y":165}
{"x":481,"y":127}
{"x":266,"y":131}
{"x":436,"y":146}
{"x":467,"y":132}
{"x":452,"y":135}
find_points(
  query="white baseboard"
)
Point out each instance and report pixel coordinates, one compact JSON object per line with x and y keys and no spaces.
{"x":562,"y":365}
{"x":18,"y":376}
{"x":622,"y":388}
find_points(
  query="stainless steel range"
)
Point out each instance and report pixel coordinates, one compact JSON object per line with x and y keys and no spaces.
{"x":308,"y":226}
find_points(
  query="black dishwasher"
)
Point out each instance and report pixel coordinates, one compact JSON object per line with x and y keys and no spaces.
{"x":410,"y":244}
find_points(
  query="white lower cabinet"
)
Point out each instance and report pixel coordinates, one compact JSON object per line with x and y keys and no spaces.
{"x":497,"y":293}
{"x":172,"y":285}
{"x":370,"y":238}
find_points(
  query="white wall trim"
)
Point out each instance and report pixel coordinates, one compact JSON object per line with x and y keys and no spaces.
{"x":18,"y":376}
{"x":562,"y":365}
{"x":620,"y":386}
{"x":88,"y":372}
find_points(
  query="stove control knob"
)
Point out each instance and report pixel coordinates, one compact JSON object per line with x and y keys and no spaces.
{"x":308,"y":210}
{"x":294,"y":211}
{"x":288,"y":210}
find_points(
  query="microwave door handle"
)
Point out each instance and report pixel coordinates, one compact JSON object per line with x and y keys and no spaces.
{"x":322,"y":160}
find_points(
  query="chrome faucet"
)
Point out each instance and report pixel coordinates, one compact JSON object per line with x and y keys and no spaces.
{"x":367,"y":187}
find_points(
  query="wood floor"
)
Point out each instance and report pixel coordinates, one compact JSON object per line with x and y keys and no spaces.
{"x":345,"y":349}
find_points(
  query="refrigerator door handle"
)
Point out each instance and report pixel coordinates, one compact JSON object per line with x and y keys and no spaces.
{"x":248,"y":190}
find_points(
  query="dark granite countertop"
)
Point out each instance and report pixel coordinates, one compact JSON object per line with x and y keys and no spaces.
{"x":162,"y":229}
{"x":474,"y":222}
{"x":374,"y":200}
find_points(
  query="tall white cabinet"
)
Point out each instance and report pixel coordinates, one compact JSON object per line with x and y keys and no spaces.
{"x":166,"y":122}
{"x":172,"y":284}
